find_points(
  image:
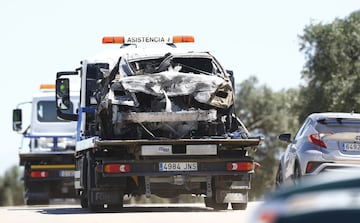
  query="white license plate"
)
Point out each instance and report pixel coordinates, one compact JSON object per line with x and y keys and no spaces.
{"x":178,"y":166}
{"x":66,"y":173}
{"x":352,"y":147}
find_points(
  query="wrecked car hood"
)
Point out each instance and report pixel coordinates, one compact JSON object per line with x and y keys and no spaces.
{"x":208,"y":89}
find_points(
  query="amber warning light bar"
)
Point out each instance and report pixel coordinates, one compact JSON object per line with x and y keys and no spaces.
{"x":147,"y":39}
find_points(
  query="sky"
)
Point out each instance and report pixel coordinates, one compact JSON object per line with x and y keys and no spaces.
{"x":253,"y":38}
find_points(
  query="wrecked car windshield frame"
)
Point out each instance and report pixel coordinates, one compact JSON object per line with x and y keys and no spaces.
{"x":180,"y":63}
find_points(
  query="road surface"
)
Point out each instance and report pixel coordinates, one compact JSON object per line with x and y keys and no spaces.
{"x":157,"y":213}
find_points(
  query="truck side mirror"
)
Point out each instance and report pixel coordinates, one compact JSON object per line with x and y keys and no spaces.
{"x":17,"y":119}
{"x":232,"y":79}
{"x":62,"y":94}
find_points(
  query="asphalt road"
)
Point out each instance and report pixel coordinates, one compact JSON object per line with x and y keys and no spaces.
{"x":157,"y":213}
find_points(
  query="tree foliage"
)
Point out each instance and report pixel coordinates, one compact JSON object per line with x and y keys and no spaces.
{"x":332,"y":70}
{"x":11,"y":188}
{"x":268,"y":113}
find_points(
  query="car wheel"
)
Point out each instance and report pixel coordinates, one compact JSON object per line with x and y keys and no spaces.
{"x":279,"y":177}
{"x":297,"y":174}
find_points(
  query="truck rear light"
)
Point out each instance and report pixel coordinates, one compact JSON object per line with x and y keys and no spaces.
{"x":39,"y":174}
{"x":240,"y":166}
{"x":117,"y":168}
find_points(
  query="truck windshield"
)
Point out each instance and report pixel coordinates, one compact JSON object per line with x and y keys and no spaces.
{"x":46,"y":111}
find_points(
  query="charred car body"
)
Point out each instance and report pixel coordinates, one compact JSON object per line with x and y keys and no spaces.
{"x":158,"y":121}
{"x":173,"y":96}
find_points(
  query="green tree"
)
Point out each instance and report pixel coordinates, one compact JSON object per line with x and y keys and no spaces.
{"x":11,"y":188}
{"x":268,"y":113}
{"x":332,"y":70}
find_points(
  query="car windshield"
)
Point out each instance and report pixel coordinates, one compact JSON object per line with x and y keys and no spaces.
{"x":338,"y":125}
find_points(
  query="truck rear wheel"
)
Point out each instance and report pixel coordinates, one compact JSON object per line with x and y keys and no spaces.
{"x":35,"y":196}
{"x":116,"y":207}
{"x":32,"y":201}
{"x":239,"y":206}
{"x":83,"y":200}
{"x":95,"y":207}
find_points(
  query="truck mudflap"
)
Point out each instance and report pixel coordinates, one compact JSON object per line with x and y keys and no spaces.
{"x":108,"y":196}
{"x":231,"y":191}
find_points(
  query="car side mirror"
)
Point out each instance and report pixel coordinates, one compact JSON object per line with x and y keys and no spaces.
{"x":285,"y":137}
{"x":17,"y":119}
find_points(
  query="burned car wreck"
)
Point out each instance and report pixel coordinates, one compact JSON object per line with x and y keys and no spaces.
{"x":171,"y":96}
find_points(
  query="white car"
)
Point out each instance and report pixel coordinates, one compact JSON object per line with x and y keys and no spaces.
{"x":324,"y":141}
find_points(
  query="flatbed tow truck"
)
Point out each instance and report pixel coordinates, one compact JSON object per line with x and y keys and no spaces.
{"x":47,"y":149}
{"x":157,"y":121}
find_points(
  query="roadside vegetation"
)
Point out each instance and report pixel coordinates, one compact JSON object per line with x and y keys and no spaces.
{"x":331,"y":82}
{"x":11,"y":187}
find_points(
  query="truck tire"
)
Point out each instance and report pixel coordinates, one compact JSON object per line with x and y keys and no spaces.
{"x":239,"y":206}
{"x":32,"y":201}
{"x":90,"y":183}
{"x":95,"y":207}
{"x":84,"y":200}
{"x":35,"y":197}
{"x":116,"y":207}
{"x":211,"y":203}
